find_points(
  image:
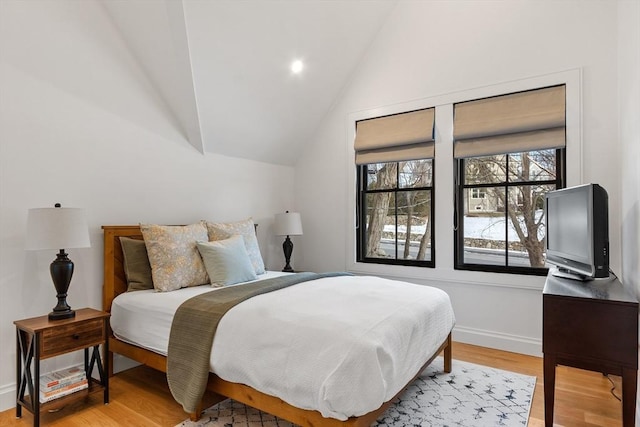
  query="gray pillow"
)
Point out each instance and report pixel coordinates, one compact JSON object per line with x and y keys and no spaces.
{"x":136,"y":264}
{"x":227,"y":261}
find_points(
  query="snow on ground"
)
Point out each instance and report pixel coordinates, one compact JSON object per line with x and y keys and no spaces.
{"x":490,"y":228}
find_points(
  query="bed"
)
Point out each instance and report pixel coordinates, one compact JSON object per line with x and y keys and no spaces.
{"x":153,"y":355}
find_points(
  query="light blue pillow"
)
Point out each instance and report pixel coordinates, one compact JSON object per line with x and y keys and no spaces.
{"x":227,"y":261}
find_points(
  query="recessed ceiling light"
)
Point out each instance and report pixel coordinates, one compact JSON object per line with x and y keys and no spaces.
{"x":297,"y":66}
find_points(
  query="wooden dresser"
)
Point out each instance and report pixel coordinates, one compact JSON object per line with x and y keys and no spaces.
{"x":594,"y":326}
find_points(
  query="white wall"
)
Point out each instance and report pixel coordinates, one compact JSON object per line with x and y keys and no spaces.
{"x":629,"y":111}
{"x":437,"y":48}
{"x":81,"y":125}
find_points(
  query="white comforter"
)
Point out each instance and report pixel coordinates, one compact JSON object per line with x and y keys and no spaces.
{"x":340,"y":345}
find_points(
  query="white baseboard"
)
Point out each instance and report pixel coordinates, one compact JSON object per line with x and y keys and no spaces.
{"x":7,"y":397}
{"x":498,"y":340}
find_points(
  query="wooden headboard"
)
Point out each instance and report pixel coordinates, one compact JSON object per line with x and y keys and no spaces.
{"x":115,"y":282}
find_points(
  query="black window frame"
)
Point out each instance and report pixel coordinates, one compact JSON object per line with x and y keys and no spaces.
{"x":461,"y":187}
{"x":361,"y":228}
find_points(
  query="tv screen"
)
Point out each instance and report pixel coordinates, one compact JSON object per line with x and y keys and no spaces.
{"x":577,"y":224}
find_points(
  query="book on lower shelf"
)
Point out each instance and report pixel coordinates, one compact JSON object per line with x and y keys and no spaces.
{"x":46,"y":396}
{"x":62,"y":383}
{"x":62,"y":378}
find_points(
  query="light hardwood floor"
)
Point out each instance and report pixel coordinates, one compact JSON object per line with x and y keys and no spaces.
{"x":140,"y":396}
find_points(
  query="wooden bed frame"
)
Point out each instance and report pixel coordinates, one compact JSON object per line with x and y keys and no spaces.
{"x":115,"y":283}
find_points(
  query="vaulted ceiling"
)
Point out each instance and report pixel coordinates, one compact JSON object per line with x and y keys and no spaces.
{"x":223,"y":67}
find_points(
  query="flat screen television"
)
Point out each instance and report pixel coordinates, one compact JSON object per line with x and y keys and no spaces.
{"x":577,"y":225}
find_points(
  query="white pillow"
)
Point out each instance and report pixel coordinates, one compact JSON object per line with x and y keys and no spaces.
{"x":227,"y":261}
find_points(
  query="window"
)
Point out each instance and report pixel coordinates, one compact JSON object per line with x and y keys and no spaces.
{"x":506,"y":227}
{"x":478,"y":193}
{"x":396,"y":209}
{"x":394,"y":157}
{"x":509,"y":153}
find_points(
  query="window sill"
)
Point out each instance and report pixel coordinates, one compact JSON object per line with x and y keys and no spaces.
{"x":460,"y":277}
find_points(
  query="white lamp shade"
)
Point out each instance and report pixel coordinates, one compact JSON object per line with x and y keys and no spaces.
{"x":288,"y":224}
{"x":57,"y":228}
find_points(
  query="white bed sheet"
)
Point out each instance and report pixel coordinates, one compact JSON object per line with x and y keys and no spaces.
{"x":340,"y":345}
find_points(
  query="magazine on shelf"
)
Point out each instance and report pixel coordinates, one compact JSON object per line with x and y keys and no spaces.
{"x":72,"y":388}
{"x":62,"y":378}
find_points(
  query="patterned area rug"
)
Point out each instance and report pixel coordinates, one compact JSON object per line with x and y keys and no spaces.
{"x":470,"y":396}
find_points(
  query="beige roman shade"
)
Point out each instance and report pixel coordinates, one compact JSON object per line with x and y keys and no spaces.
{"x":523,"y":121}
{"x":395,"y":138}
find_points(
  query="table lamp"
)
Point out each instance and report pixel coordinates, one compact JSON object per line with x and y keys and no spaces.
{"x":288,"y":224}
{"x":57,"y":228}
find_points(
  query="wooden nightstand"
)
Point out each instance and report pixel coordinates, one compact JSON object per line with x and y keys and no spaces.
{"x":39,"y":338}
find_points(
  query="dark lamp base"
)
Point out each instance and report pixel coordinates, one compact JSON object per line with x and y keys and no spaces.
{"x":59,"y":315}
{"x":61,"y":272}
{"x":287,"y":247}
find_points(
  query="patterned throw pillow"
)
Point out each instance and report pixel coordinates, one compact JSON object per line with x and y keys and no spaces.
{"x":173,"y":255}
{"x":246,"y":228}
{"x":227,"y":261}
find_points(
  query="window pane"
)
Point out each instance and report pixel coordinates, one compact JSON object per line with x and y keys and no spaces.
{"x":381,"y":225}
{"x":484,"y":228}
{"x":396,"y":204}
{"x":414,"y":225}
{"x":485,"y":170}
{"x":526,"y":225}
{"x":382,"y":176}
{"x":532,"y":166}
{"x":416,"y":173}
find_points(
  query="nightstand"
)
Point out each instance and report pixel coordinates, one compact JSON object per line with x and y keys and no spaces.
{"x":39,"y":338}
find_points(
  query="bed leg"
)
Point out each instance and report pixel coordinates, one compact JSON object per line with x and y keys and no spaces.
{"x":448,"y":355}
{"x":195,"y":416}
